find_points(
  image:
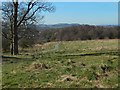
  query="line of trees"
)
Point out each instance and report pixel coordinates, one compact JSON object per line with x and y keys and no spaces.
{"x":82,"y":32}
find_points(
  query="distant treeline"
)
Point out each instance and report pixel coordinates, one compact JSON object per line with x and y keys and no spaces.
{"x":31,"y":35}
{"x":82,"y":32}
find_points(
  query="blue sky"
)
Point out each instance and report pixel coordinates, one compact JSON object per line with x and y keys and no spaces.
{"x":98,"y":13}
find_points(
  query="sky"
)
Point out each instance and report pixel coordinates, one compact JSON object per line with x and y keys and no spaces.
{"x":71,"y":0}
{"x":95,"y":13}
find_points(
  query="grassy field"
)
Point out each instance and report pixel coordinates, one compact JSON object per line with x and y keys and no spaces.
{"x":70,"y":64}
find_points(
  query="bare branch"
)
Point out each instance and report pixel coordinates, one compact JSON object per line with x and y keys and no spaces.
{"x":33,"y":13}
{"x":28,"y":9}
{"x":5,"y":36}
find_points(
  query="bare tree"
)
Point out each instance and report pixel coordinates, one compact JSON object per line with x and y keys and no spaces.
{"x":22,"y":13}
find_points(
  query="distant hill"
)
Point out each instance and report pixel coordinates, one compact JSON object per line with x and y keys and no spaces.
{"x":61,"y":25}
{"x":107,"y":25}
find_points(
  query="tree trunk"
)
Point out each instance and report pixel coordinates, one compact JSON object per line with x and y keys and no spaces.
{"x":12,"y":41}
{"x":11,"y":48}
{"x":15,"y":42}
{"x":15,"y":29}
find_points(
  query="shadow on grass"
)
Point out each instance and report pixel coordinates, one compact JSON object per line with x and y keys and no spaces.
{"x":60,"y":55}
{"x":95,"y":54}
{"x":10,"y":57}
{"x":13,"y":59}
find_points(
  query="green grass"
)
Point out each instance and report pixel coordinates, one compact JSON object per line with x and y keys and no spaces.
{"x":73,"y":64}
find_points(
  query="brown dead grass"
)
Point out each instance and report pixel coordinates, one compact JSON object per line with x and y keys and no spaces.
{"x":64,"y":78}
{"x":36,"y":65}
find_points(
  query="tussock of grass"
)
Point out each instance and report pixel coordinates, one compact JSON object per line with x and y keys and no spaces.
{"x":68,"y":78}
{"x":37,"y":65}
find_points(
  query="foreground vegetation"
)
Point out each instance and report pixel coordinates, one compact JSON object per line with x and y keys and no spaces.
{"x":74,"y":64}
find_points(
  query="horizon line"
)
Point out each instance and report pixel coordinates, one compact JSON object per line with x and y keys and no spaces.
{"x":78,"y":23}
